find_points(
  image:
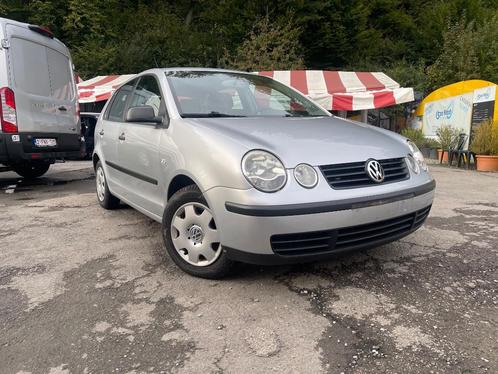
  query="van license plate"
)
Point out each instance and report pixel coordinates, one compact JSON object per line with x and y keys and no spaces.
{"x":45,"y":142}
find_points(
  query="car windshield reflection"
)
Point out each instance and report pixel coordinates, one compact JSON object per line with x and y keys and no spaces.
{"x":204,"y":94}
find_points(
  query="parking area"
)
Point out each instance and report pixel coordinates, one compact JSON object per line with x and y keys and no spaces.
{"x":84,"y":290}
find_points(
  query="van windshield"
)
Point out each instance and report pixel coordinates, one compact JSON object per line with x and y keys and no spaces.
{"x":201,"y":94}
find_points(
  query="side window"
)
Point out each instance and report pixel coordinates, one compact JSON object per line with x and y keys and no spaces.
{"x":147,"y":92}
{"x":119,"y":99}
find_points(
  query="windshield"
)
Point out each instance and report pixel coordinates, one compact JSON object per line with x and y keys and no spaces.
{"x":201,"y":94}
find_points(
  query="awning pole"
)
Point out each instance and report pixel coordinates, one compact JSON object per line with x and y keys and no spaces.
{"x":364,"y":116}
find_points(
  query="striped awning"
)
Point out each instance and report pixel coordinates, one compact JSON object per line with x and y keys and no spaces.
{"x":334,"y":90}
{"x":345,"y":90}
{"x":100,"y":88}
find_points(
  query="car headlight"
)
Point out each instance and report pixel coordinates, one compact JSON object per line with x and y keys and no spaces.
{"x":417,"y":155}
{"x":413,"y":164}
{"x":264,"y":171}
{"x":305,"y":175}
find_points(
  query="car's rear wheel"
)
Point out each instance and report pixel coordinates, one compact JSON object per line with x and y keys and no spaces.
{"x":32,"y":170}
{"x":106,"y":199}
{"x":191,"y":236}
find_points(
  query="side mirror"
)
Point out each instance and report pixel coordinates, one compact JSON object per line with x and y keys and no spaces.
{"x":142,"y":114}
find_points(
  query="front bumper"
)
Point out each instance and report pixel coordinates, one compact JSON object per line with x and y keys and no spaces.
{"x":247,"y":229}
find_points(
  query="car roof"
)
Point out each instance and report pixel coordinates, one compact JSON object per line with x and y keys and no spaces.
{"x":186,"y":69}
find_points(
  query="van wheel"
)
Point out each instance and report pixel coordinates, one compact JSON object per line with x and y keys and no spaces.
{"x":191,"y":237}
{"x":32,"y":170}
{"x":106,"y":199}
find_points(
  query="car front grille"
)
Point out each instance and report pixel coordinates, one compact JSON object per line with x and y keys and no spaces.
{"x":354,"y":237}
{"x":353,"y":175}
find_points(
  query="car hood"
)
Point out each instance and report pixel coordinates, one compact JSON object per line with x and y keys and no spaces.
{"x":313,"y":140}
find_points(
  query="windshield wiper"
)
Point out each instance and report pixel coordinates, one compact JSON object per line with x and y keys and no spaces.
{"x":209,"y":115}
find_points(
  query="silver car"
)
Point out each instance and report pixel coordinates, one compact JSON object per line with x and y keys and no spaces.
{"x":240,"y":168}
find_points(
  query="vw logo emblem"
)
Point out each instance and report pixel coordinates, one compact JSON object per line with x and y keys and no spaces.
{"x":196,"y":234}
{"x":375,"y":171}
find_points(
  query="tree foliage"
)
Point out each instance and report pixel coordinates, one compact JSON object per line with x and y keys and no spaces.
{"x":458,"y":59}
{"x":267,"y":47}
{"x":424,"y":44}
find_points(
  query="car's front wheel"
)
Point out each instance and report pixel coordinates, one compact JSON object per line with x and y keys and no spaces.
{"x":191,"y":236}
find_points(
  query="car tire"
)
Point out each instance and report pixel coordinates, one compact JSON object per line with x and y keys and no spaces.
{"x":214,"y":265}
{"x":106,"y":199}
{"x":32,"y":170}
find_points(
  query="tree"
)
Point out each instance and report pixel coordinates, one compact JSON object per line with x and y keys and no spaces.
{"x":400,"y":37}
{"x":458,"y":59}
{"x":486,"y":39}
{"x":408,"y":74}
{"x":268,"y":47}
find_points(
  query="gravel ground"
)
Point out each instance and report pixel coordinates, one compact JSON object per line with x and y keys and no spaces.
{"x":84,"y":290}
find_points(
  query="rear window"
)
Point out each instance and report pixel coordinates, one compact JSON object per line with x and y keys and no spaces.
{"x":30,"y":67}
{"x":40,"y":70}
{"x":60,"y":75}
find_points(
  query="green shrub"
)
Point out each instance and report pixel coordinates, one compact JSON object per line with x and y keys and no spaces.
{"x":431,"y":143}
{"x":485,"y":139}
{"x":447,"y":137}
{"x":415,"y":135}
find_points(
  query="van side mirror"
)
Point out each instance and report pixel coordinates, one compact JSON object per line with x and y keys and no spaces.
{"x":143,"y":113}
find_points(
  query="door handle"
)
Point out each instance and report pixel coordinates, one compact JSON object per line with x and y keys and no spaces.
{"x":62,"y":109}
{"x":122,"y":136}
{"x":101,"y":133}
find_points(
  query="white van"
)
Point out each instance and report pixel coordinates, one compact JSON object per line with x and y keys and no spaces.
{"x":39,"y":119}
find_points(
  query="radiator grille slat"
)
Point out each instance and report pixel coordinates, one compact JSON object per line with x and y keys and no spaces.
{"x":353,"y":175}
{"x":328,"y":241}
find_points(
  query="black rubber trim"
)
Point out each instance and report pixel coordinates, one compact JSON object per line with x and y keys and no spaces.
{"x":145,"y":178}
{"x":276,"y":259}
{"x":328,"y":206}
{"x":3,"y":149}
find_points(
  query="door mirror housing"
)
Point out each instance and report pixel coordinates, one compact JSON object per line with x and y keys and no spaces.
{"x":143,"y":114}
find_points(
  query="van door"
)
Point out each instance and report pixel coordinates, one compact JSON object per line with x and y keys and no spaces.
{"x":42,"y":78}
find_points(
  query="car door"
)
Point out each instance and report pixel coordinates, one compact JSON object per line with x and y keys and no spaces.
{"x":138,"y":149}
{"x":108,"y":133}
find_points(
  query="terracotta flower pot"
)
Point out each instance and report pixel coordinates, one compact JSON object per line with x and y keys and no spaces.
{"x":445,"y":157}
{"x":487,"y":163}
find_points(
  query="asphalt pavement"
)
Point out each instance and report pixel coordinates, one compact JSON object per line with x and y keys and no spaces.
{"x":84,"y":290}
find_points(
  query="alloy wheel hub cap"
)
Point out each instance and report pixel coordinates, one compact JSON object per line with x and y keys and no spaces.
{"x":196,"y":234}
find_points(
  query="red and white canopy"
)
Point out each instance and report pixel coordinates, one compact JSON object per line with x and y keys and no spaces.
{"x":334,"y":90}
{"x":345,"y":90}
{"x":100,"y":88}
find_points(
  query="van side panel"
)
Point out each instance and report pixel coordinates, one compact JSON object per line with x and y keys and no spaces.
{"x":4,"y":82}
{"x":4,"y":75}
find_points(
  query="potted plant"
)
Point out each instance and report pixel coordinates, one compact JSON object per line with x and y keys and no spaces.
{"x":485,"y":146}
{"x":447,"y":136}
{"x":431,"y":146}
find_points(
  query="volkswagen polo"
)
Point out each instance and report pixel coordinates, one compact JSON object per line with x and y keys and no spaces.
{"x":241,"y":168}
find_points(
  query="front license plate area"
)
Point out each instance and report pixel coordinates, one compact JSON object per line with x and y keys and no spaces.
{"x":45,"y":142}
